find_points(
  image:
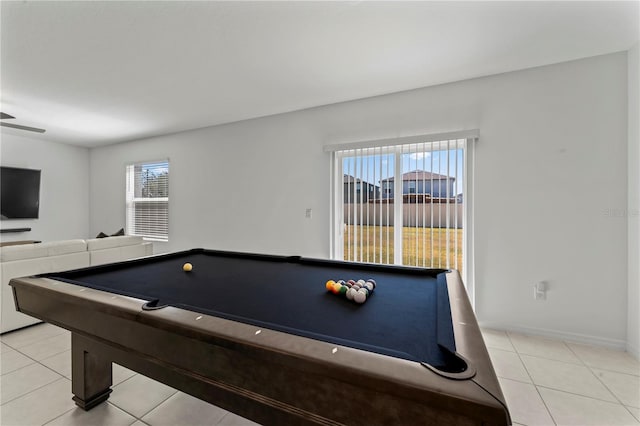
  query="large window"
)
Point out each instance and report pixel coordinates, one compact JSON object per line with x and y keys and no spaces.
{"x":416,"y":212}
{"x":147,"y":200}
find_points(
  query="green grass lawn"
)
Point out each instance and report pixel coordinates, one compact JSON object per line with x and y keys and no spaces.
{"x":425,"y":247}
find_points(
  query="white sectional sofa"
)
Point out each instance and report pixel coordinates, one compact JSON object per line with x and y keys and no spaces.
{"x":31,"y":259}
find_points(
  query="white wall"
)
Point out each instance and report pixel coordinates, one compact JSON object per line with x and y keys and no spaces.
{"x":553,"y":142}
{"x":242,"y":186}
{"x":633,"y":327}
{"x":64,"y":187}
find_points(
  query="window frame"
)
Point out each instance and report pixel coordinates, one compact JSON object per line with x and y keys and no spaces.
{"x":132,"y":200}
{"x":336,"y":217}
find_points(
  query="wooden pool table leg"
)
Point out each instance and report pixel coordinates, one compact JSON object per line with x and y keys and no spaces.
{"x":90,"y":373}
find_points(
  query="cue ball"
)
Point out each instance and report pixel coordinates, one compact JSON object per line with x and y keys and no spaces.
{"x":187,"y":267}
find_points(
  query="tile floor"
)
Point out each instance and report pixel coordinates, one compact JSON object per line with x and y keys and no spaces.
{"x":545,"y":382}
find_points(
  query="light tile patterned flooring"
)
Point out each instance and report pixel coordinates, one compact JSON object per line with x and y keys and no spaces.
{"x":545,"y":382}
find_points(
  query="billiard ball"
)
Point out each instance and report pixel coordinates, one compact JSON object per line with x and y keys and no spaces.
{"x":330,"y":285}
{"x":359,"y":297}
{"x":187,"y":267}
{"x":350,"y":293}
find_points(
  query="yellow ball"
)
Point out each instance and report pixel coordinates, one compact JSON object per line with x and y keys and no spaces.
{"x":187,"y":267}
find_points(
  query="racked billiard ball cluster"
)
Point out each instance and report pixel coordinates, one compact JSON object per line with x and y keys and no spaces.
{"x":357,"y":291}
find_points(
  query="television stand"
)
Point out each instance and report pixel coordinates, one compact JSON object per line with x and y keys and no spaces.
{"x":3,"y":231}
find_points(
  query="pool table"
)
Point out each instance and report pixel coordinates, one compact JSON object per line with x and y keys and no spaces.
{"x":260,"y":335}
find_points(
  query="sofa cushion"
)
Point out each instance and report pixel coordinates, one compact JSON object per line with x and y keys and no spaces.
{"x":57,"y":248}
{"x":118,"y":254}
{"x":31,"y":251}
{"x":111,"y":242}
{"x":23,"y":251}
{"x":9,"y":318}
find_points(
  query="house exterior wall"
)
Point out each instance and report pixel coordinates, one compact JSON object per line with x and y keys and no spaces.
{"x":354,"y":193}
{"x":435,"y":188}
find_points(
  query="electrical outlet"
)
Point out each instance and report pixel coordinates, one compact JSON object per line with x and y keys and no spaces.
{"x":307,"y":213}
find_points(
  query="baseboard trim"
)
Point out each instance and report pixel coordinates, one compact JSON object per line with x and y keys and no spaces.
{"x":562,"y":335}
{"x":633,"y":351}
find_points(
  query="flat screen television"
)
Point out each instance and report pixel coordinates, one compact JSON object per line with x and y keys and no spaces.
{"x":19,"y":193}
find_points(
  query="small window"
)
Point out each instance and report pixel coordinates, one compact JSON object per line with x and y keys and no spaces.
{"x":147,"y":200}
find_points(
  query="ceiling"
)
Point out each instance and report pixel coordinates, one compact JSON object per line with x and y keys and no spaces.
{"x":96,"y":73}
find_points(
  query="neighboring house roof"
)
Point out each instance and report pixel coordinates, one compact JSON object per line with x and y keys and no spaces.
{"x":350,"y":179}
{"x":420,"y":175}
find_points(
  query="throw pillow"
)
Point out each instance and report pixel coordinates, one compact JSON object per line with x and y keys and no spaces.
{"x":119,"y":233}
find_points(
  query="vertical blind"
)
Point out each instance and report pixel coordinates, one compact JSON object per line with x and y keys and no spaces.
{"x":401,"y":204}
{"x":147,"y":200}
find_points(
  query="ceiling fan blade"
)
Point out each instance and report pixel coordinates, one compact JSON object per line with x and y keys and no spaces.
{"x":27,"y":128}
{"x":4,"y":116}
